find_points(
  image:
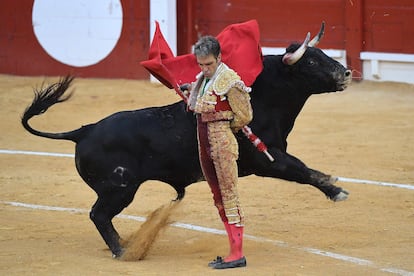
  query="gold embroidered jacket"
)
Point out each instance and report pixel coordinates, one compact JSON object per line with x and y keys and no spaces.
{"x":223,"y":97}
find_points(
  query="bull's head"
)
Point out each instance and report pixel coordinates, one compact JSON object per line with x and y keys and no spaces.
{"x":292,"y":58}
{"x":341,"y":76}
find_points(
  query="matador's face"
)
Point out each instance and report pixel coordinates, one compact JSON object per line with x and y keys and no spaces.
{"x":208,"y":64}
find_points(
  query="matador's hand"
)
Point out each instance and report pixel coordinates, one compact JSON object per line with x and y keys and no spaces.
{"x":185,"y":87}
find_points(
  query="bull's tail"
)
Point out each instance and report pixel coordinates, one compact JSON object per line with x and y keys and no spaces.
{"x":45,"y":98}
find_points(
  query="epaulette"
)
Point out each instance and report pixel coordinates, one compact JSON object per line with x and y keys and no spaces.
{"x":226,"y":80}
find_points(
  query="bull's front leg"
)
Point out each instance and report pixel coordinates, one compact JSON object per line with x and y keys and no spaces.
{"x":290,"y":168}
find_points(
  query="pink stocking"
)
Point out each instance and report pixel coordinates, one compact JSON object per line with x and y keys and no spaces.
{"x":235,"y":234}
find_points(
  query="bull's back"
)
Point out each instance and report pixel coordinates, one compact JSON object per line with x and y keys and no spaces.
{"x":156,"y":143}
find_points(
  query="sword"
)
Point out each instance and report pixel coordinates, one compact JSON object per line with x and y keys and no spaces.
{"x":260,"y":146}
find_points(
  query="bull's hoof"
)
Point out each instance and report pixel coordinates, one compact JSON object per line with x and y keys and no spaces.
{"x":176,"y":199}
{"x":118,"y":254}
{"x":341,"y":196}
{"x":180,"y":194}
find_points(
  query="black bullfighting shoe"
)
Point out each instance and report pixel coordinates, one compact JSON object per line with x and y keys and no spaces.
{"x":216,"y":261}
{"x":233,"y":264}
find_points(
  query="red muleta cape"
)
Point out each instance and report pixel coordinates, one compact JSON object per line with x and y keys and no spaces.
{"x":240,"y":50}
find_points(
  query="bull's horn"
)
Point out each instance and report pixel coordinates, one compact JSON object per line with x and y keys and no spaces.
{"x":292,"y":58}
{"x":318,"y":37}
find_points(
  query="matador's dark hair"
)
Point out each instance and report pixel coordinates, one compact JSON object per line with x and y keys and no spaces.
{"x":207,"y":45}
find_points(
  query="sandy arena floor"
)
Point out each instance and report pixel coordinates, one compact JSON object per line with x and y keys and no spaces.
{"x":366,"y":133}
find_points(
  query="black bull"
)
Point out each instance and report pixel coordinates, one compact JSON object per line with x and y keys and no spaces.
{"x":117,"y":154}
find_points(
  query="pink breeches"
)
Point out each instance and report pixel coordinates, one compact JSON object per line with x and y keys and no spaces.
{"x":218,"y":152}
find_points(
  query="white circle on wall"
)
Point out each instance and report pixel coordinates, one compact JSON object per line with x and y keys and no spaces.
{"x":77,"y":32}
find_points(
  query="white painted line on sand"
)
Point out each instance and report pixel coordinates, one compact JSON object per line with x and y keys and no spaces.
{"x":25,"y":152}
{"x":379,"y":183}
{"x":315,"y":251}
{"x":343,"y":179}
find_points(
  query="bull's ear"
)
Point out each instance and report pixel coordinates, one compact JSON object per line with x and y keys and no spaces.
{"x":318,"y":37}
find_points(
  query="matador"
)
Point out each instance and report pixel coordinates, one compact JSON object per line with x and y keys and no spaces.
{"x":221,"y":102}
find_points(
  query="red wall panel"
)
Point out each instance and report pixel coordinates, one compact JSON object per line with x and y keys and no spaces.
{"x":21,"y":53}
{"x":355,"y":26}
{"x":377,"y":25}
{"x":281,"y":22}
{"x":389,"y":26}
